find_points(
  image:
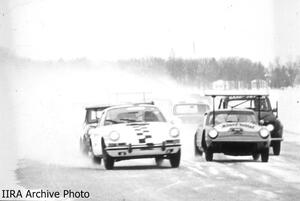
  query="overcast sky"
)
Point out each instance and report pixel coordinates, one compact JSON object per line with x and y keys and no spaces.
{"x":116,"y":29}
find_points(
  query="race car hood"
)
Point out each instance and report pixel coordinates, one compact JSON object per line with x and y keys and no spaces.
{"x":244,"y":126}
{"x":138,"y":132}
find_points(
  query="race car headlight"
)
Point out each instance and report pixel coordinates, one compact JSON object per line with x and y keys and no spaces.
{"x":264,"y":133}
{"x":114,"y":136}
{"x":270,"y":127}
{"x":213,"y":133}
{"x":174,"y":132}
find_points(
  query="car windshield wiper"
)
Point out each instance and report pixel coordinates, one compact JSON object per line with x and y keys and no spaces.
{"x":229,"y":113}
{"x":130,"y":120}
{"x":113,"y":121}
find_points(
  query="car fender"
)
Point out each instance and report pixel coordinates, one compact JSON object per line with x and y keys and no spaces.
{"x":278,"y":128}
{"x":203,"y":140}
{"x":96,"y":144}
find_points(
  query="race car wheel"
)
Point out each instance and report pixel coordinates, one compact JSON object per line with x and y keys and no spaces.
{"x":175,"y":159}
{"x":108,"y":160}
{"x":97,"y":159}
{"x":276,"y":148}
{"x":255,"y":156}
{"x":209,"y":155}
{"x":265,"y":155}
{"x":158,"y":161}
{"x":197,"y":151}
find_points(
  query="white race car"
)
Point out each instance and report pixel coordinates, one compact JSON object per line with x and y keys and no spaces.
{"x":115,"y":133}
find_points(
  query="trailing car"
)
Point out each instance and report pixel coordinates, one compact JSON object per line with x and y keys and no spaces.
{"x":190,"y":113}
{"x":233,"y":132}
{"x":90,"y":122}
{"x":128,"y":132}
{"x":261,"y":105}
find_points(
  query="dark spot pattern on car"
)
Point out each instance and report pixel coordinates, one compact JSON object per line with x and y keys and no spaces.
{"x":141,"y":131}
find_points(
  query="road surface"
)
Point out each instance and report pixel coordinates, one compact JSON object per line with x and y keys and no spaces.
{"x":226,"y":178}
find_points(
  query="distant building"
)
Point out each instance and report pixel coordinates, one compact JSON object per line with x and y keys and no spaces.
{"x":259,"y":84}
{"x":218,"y":85}
{"x":229,"y":85}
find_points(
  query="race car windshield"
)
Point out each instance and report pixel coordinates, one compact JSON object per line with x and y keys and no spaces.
{"x":133,"y":114}
{"x":232,"y":117}
{"x":190,"y":109}
{"x":251,"y":103}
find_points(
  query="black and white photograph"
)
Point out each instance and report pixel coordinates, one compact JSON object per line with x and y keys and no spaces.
{"x":149,"y":100}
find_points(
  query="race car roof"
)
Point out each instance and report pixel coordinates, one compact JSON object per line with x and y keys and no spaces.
{"x":191,"y":103}
{"x":98,"y":107}
{"x":232,"y":110}
{"x":237,"y":93}
{"x":103,"y":107}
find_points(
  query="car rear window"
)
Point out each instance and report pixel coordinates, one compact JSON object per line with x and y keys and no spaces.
{"x":249,"y":103}
{"x":190,"y":109}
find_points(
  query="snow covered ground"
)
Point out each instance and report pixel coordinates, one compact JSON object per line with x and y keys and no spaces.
{"x":43,"y":109}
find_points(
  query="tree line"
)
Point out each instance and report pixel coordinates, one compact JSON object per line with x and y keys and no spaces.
{"x":203,"y":72}
{"x":200,"y":72}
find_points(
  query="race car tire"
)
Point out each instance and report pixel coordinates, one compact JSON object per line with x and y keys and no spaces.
{"x":158,"y":161}
{"x":255,"y":156}
{"x":175,"y":159}
{"x":265,"y":155}
{"x":97,"y":160}
{"x":276,"y":148}
{"x":197,"y":151}
{"x":84,"y":150}
{"x":209,"y":155}
{"x":107,"y":159}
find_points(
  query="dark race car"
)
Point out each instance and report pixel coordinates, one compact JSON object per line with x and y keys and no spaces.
{"x":261,"y":105}
{"x":233,"y":132}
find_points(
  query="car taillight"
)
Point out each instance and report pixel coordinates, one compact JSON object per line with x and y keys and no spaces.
{"x":270,"y":127}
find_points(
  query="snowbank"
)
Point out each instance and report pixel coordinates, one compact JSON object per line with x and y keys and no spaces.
{"x":289,"y":107}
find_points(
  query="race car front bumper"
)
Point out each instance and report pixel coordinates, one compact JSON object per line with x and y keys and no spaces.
{"x":235,"y":147}
{"x":276,"y":139}
{"x":143,"y":150}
